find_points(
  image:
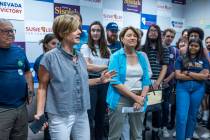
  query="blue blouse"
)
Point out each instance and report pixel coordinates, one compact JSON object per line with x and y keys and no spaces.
{"x":118,"y":64}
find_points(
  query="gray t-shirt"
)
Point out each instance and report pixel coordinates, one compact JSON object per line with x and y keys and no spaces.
{"x":68,"y":89}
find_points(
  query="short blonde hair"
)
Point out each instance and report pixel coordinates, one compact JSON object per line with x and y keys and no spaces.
{"x":63,"y":25}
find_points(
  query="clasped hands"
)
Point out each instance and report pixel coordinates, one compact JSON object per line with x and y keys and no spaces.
{"x":139,"y":102}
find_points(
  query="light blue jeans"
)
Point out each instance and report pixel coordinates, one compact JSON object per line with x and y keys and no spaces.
{"x":189,"y":95}
{"x":61,"y":127}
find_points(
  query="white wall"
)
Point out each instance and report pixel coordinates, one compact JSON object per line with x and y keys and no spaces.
{"x":197,"y":13}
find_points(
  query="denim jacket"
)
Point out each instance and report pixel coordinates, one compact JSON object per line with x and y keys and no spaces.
{"x":118,"y":64}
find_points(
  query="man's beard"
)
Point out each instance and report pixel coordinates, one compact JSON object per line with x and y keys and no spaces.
{"x":153,"y":40}
{"x":112,"y":39}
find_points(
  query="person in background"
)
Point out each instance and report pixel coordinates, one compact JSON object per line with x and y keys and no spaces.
{"x":84,"y":35}
{"x":191,"y":73}
{"x":169,"y":82}
{"x":196,"y":32}
{"x":63,"y":90}
{"x":207,"y":134}
{"x":158,"y":56}
{"x":129,"y":87}
{"x":182,"y":45}
{"x":16,"y":86}
{"x":112,"y":36}
{"x":96,"y":54}
{"x":185,"y":34}
{"x":204,"y":120}
{"x":48,"y":43}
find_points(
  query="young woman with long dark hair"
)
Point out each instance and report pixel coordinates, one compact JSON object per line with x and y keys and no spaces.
{"x":191,"y":73}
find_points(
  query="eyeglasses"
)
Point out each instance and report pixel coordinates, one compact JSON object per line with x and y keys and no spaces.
{"x":7,"y":32}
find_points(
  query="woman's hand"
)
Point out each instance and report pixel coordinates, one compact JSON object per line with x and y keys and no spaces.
{"x":156,"y":85}
{"x":136,"y":106}
{"x":37,"y":117}
{"x":139,"y":99}
{"x":106,"y":76}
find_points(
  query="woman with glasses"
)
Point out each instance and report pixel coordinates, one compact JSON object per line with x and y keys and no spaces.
{"x":96,"y":54}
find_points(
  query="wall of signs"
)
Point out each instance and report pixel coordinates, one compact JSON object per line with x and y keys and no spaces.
{"x":33,"y":18}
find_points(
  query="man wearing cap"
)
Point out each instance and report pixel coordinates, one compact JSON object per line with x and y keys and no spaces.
{"x":112,"y":36}
{"x":16,"y":86}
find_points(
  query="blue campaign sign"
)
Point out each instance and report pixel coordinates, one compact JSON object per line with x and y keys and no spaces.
{"x":147,"y":20}
{"x":46,"y":0}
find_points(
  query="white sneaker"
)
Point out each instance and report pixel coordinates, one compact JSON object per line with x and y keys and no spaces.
{"x":195,"y":135}
{"x":205,"y":135}
{"x":165,"y":132}
{"x":174,"y":134}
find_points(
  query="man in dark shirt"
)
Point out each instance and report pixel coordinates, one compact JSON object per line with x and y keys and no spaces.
{"x":159,"y":59}
{"x":16,"y":86}
{"x":112,"y":36}
{"x":169,"y":82}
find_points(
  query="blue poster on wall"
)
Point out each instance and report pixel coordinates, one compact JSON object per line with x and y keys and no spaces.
{"x":147,"y":20}
{"x":46,"y":0}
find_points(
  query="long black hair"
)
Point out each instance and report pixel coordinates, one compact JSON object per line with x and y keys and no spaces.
{"x":200,"y":55}
{"x":158,"y":43}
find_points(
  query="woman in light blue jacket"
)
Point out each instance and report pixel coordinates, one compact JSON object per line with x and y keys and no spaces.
{"x":129,"y":87}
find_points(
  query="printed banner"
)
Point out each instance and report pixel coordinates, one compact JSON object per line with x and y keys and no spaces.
{"x":22,"y":45}
{"x":91,"y":3}
{"x":35,"y":30}
{"x":61,"y":9}
{"x":147,"y":20}
{"x":51,"y":1}
{"x":113,"y":16}
{"x":12,"y":9}
{"x":132,"y":5}
{"x":177,"y":24}
{"x":164,"y":8}
{"x":183,"y":2}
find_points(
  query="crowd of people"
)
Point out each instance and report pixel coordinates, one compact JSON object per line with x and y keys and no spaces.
{"x":86,"y":79}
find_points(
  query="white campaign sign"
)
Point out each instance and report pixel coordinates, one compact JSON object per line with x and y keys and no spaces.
{"x":12,"y":9}
{"x":35,"y":30}
{"x":113,"y":16}
{"x":164,"y":8}
{"x":91,"y":3}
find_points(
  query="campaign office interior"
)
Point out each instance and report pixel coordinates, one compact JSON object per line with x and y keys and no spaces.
{"x":32,"y":19}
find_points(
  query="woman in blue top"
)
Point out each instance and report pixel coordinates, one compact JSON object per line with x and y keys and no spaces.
{"x":129,"y":87}
{"x":191,"y":73}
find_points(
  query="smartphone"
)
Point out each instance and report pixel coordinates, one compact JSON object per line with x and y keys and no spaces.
{"x":37,"y":125}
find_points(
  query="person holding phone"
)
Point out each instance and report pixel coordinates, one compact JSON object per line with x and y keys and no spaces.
{"x":63,"y":90}
{"x":129,"y":87}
